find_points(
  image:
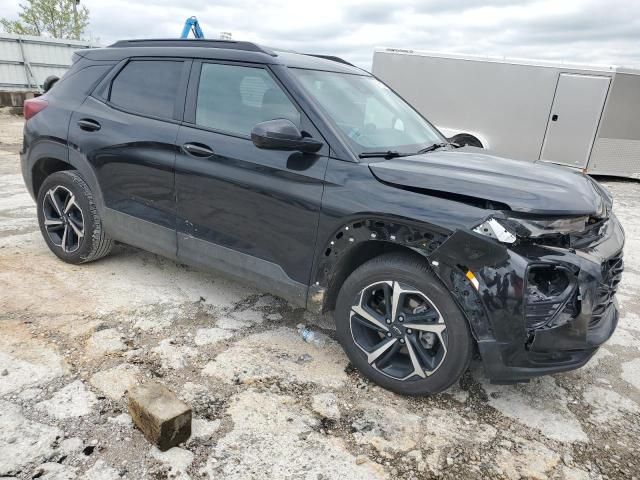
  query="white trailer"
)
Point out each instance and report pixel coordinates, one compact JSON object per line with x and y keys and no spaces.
{"x":583,"y":116}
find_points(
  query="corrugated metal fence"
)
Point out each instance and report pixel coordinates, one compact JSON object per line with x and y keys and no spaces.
{"x":26,"y":61}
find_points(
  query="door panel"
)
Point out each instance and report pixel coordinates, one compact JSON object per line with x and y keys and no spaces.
{"x":133,"y":158}
{"x":261,"y":203}
{"x":248,"y":211}
{"x":127,"y":134}
{"x":574,"y":119}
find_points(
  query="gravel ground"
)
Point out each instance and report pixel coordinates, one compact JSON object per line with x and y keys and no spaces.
{"x":266,"y":404}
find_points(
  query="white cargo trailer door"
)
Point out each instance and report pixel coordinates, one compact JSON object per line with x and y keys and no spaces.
{"x":575,"y":115}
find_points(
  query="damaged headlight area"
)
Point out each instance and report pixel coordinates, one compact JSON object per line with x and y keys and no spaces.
{"x":565,"y":232}
{"x":561,"y":231}
{"x":556,"y":226}
{"x":494,"y":228}
{"x":552,"y":296}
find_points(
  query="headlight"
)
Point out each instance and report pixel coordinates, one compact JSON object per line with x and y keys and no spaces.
{"x":605,"y":205}
{"x":507,"y":230}
{"x":556,"y":226}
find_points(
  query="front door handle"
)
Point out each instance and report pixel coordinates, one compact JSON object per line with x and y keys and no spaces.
{"x":198,"y":150}
{"x":89,"y":125}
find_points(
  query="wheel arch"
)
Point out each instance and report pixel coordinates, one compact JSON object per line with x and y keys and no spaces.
{"x":361,"y":240}
{"x":50,"y":157}
{"x":44,"y":167}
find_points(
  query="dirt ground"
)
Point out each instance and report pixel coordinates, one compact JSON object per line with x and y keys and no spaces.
{"x":267,"y":405}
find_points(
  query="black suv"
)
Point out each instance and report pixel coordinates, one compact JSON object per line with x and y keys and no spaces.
{"x":313,"y":179}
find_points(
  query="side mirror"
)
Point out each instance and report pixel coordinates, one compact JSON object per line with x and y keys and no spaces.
{"x":282,"y":134}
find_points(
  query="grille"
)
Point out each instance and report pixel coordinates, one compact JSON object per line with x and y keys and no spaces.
{"x":611,"y":276}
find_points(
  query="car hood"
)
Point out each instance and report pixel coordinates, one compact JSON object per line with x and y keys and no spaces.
{"x":467,"y":175}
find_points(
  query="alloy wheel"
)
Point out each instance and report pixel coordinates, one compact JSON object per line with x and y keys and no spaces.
{"x":399,"y":329}
{"x":63,"y":219}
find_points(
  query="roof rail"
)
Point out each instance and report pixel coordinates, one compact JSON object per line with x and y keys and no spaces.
{"x":333,"y":58}
{"x":192,"y":42}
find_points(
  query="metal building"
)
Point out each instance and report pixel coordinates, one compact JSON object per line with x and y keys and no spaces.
{"x":26,"y":61}
{"x":583,"y":116}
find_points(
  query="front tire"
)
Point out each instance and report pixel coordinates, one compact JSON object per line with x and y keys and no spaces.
{"x":401,"y":327}
{"x":69,"y":220}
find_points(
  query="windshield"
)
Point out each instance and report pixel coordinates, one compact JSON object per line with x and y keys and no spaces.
{"x":370,"y":115}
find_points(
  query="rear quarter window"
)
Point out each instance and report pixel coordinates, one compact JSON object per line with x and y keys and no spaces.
{"x":77,"y":84}
{"x":148,"y":87}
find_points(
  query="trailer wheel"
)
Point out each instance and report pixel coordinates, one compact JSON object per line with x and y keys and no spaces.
{"x":466,"y":139}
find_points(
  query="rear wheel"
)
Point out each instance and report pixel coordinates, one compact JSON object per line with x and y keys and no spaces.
{"x":401,"y":328}
{"x":69,"y":219}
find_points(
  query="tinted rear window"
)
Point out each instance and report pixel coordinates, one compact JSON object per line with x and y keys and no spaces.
{"x":148,"y":87}
{"x":76,"y":83}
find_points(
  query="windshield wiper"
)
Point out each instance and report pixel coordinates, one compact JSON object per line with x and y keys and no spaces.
{"x":387,"y":154}
{"x":433,"y":147}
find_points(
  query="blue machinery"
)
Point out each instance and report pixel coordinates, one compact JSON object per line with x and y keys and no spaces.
{"x":192,"y":25}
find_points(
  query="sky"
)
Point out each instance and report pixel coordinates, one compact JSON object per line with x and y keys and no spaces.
{"x":576,"y":31}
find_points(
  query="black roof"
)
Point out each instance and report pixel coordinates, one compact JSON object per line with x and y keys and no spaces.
{"x":220,"y":50}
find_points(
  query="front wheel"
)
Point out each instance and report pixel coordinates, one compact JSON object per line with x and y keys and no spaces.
{"x":400,"y":326}
{"x":69,"y":220}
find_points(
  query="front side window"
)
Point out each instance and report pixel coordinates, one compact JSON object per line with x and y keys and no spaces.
{"x":148,"y":87}
{"x":234,"y":99}
{"x":369,"y":114}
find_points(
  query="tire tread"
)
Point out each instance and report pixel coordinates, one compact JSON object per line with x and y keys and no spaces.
{"x":415,"y":265}
{"x":101,"y":242}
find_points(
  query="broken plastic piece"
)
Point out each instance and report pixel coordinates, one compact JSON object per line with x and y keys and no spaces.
{"x":494,"y":229}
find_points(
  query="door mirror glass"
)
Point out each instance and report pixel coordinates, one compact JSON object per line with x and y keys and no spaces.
{"x":282,"y":134}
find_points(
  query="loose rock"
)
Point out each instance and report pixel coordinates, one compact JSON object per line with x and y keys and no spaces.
{"x":163,"y":419}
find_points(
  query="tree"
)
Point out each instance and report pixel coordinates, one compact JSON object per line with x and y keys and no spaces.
{"x":49,"y":18}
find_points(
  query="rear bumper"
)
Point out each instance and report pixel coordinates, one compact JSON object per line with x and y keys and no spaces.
{"x":510,"y":350}
{"x":26,"y":173}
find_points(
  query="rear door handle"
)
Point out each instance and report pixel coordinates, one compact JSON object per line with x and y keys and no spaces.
{"x":198,"y":150}
{"x":89,"y":125}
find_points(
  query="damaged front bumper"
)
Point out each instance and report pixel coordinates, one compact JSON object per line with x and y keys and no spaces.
{"x":516,"y":344}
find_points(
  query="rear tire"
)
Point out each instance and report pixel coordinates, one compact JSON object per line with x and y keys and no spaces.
{"x":69,"y":220}
{"x":395,"y":305}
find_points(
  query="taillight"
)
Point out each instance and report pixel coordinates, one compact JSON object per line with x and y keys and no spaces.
{"x":33,"y":106}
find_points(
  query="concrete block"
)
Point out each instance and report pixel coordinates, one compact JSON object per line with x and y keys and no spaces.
{"x":164,"y":419}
